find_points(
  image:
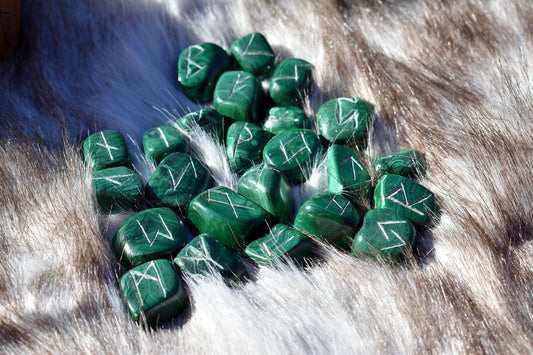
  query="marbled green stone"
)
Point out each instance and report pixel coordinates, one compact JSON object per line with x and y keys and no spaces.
{"x":227,"y":216}
{"x":292,"y":152}
{"x":282,"y":118}
{"x":147,"y":235}
{"x":344,"y":119}
{"x":237,"y":96}
{"x":410,"y":199}
{"x":282,"y":241}
{"x":384,"y":232}
{"x":204,"y":255}
{"x":269,"y":188}
{"x":105,"y":149}
{"x":118,"y":189}
{"x":408,"y":163}
{"x":207,"y":119}
{"x":244,"y":144}
{"x":346,"y":173}
{"x":158,"y":142}
{"x":330,"y":217}
{"x":178,"y":178}
{"x":254,"y":54}
{"x":198,"y":69}
{"x":154,"y":292}
{"x":290,"y":82}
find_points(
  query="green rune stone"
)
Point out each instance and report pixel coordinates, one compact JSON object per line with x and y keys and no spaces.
{"x":158,"y":142}
{"x":237,"y":96}
{"x":178,"y":178}
{"x":408,"y":163}
{"x":292,"y":152}
{"x":269,"y":188}
{"x":227,"y":216}
{"x":410,"y":199}
{"x":154,"y":292}
{"x":118,"y":189}
{"x":385,"y":233}
{"x":207,"y":119}
{"x":150,"y":234}
{"x":282,"y":118}
{"x":291,"y":82}
{"x":345,"y":119}
{"x":330,"y":217}
{"x":254,"y":54}
{"x":281,"y":242}
{"x":105,"y":149}
{"x":244,"y":145}
{"x":199,"y":67}
{"x":346,"y":173}
{"x":205,"y":255}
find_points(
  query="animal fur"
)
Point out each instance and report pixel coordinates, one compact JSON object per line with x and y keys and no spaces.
{"x":451,"y":79}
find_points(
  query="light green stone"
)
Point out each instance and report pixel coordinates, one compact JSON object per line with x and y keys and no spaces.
{"x":410,"y":199}
{"x":158,"y":142}
{"x":244,"y":145}
{"x":198,"y":69}
{"x":227,"y":216}
{"x":207,"y":119}
{"x":408,"y":163}
{"x":117,"y":189}
{"x":154,"y":292}
{"x":282,"y":118}
{"x":254,"y":54}
{"x":330,"y":217}
{"x":346,"y":173}
{"x":147,"y":235}
{"x":291,"y":82}
{"x":237,"y":96}
{"x":344,"y":119}
{"x":105,"y":149}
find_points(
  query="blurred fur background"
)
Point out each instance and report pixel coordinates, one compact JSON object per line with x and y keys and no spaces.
{"x":452,"y":79}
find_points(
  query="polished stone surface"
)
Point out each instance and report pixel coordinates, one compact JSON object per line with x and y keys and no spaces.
{"x":291,"y":82}
{"x":118,"y":189}
{"x":408,"y":163}
{"x":207,"y":119}
{"x":346,"y":173}
{"x":244,"y":145}
{"x":254,"y":54}
{"x":237,"y":96}
{"x":158,"y":142}
{"x":105,"y":149}
{"x":282,"y":118}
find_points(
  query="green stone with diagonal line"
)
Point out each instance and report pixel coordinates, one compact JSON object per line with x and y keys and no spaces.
{"x":117,"y":189}
{"x":237,"y":96}
{"x":291,"y":82}
{"x":158,"y":142}
{"x":244,"y":145}
{"x":254,"y":54}
{"x":105,"y":149}
{"x":346,"y":173}
{"x":282,"y":118}
{"x":207,"y":119}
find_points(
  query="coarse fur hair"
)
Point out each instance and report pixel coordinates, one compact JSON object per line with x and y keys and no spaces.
{"x":451,"y":79}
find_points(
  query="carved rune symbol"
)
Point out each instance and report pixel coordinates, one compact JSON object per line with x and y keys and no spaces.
{"x":193,"y":68}
{"x":201,"y":254}
{"x":237,"y":86}
{"x":381,"y":224}
{"x":106,"y":146}
{"x":272,"y":244}
{"x":245,"y":135}
{"x":115,"y":179}
{"x":353,"y":162}
{"x":284,"y":116}
{"x":341,"y":207}
{"x":163,"y":137}
{"x":226,"y":200}
{"x":139,"y":277}
{"x":247,"y":50}
{"x":176,"y":183}
{"x":151,"y":241}
{"x":285,"y":151}
{"x":400,"y":197}
{"x":295,"y":76}
{"x":343,"y":116}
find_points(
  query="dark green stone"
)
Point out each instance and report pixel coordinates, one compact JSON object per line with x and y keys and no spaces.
{"x":237,"y":96}
{"x":291,"y":82}
{"x":178,"y":178}
{"x":118,"y":189}
{"x":105,"y":149}
{"x":330,"y":217}
{"x":154,"y":292}
{"x":207,"y":119}
{"x":205,"y":255}
{"x":282,"y":118}
{"x":292,"y":152}
{"x":269,"y":188}
{"x":410,"y":199}
{"x":281,"y":242}
{"x":344,"y":119}
{"x":408,"y":163}
{"x":244,"y":145}
{"x":198,"y":69}
{"x":227,"y":216}
{"x":385,"y":233}
{"x":158,"y":142}
{"x":254,"y":54}
{"x":346,"y":173}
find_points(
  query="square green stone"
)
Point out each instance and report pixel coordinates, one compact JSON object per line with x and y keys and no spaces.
{"x":118,"y":189}
{"x":158,"y":142}
{"x":105,"y":149}
{"x":254,"y":54}
{"x":154,"y":292}
{"x":347,"y":174}
{"x":244,"y":145}
{"x":207,"y":119}
{"x":282,"y":118}
{"x":291,"y":82}
{"x":237,"y":95}
{"x":408,"y":163}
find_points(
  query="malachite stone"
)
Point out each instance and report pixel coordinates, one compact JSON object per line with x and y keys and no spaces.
{"x":154,"y":292}
{"x":281,"y":242}
{"x":282,"y":118}
{"x":237,"y":96}
{"x":227,"y":216}
{"x":147,"y":235}
{"x":158,"y":142}
{"x":346,"y":173}
{"x":410,"y":199}
{"x":207,"y":119}
{"x":178,"y":178}
{"x":344,"y":119}
{"x":408,"y":163}
{"x":198,"y":69}
{"x":290,"y":82}
{"x":330,"y":217}
{"x":205,"y":255}
{"x":105,"y":149}
{"x":244,"y":145}
{"x":292,"y":152}
{"x":385,"y":233}
{"x":118,"y":189}
{"x":269,"y":188}
{"x":254,"y":54}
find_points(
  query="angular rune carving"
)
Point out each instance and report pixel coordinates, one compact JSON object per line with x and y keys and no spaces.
{"x":176,"y":183}
{"x":193,"y":68}
{"x":394,"y":233}
{"x":139,"y":277}
{"x":303,"y":146}
{"x":151,"y":241}
{"x":399,"y":196}
{"x":341,"y":207}
{"x":227,"y":201}
{"x":106,"y":146}
{"x":343,"y":117}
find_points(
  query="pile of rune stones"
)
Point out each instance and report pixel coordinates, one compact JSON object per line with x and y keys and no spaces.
{"x":269,"y":143}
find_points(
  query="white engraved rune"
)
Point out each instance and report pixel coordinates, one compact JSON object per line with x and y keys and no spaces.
{"x":353,"y":163}
{"x":247,"y":51}
{"x":295,"y":76}
{"x":163,"y":137}
{"x":284,"y":116}
{"x":342,"y":116}
{"x":168,"y":234}
{"x":400,"y":197}
{"x":106,"y":146}
{"x":138,"y":277}
{"x":201,"y":255}
{"x":341,"y":207}
{"x":248,"y":137}
{"x":176,"y":183}
{"x":381,"y":224}
{"x":227,"y":201}
{"x":193,"y":68}
{"x":115,"y":179}
{"x":237,"y":86}
{"x":272,"y":244}
{"x":282,"y":147}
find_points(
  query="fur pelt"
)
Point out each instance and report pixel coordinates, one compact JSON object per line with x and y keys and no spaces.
{"x":451,"y":79}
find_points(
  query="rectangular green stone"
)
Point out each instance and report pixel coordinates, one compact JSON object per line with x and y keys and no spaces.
{"x":158,"y":142}
{"x":254,"y":54}
{"x":105,"y":149}
{"x":237,"y":95}
{"x":408,"y":163}
{"x":291,"y":82}
{"x":207,"y":119}
{"x":347,"y":174}
{"x":118,"y":189}
{"x":244,"y":145}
